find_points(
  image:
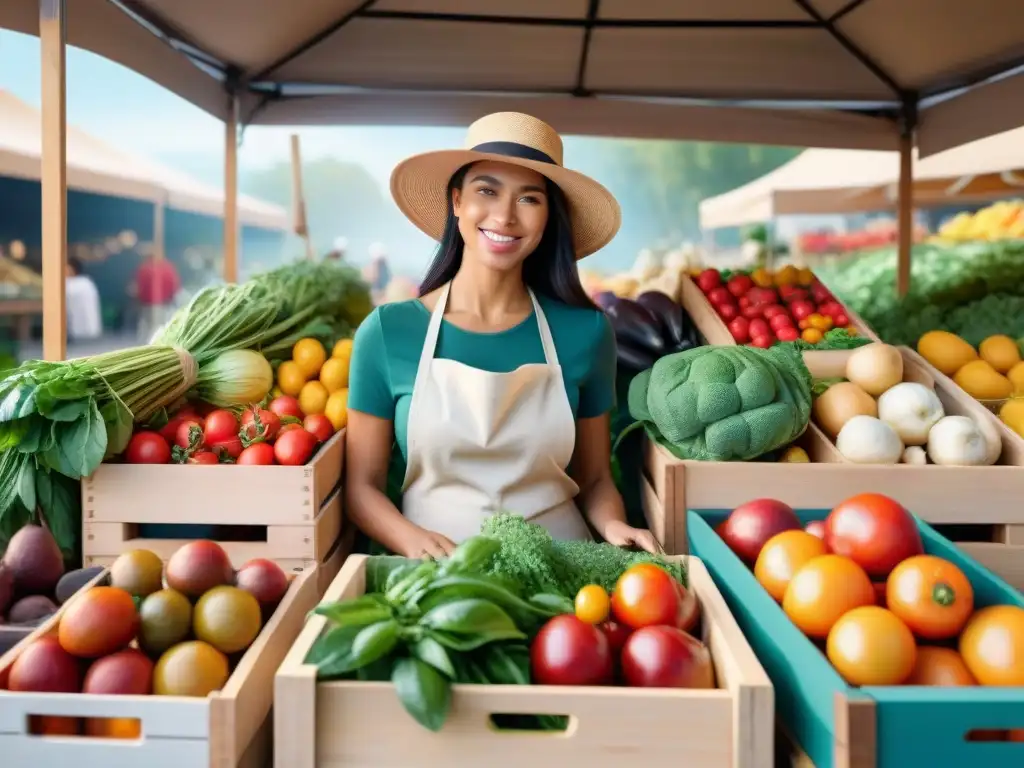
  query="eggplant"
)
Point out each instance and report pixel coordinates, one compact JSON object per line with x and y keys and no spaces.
{"x":636,"y":325}
{"x":670,"y":313}
{"x":634,"y":359}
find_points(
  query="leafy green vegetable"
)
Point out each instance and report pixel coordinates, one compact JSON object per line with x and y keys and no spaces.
{"x":530,"y":557}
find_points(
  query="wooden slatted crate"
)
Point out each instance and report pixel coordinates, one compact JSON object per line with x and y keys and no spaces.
{"x":289,"y":514}
{"x":343,"y":723}
{"x":230,"y":727}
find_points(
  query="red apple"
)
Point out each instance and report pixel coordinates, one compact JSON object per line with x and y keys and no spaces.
{"x":750,"y":525}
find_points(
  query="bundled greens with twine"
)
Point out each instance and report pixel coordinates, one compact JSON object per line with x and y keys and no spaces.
{"x":59,"y":421}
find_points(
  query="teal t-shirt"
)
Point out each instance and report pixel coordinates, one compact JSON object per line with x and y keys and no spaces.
{"x":388,"y":344}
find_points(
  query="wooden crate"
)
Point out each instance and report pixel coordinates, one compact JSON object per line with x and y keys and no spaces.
{"x":1004,"y":560}
{"x":714,"y":328}
{"x":940,"y":495}
{"x":298,"y":508}
{"x":354,"y":723}
{"x":842,"y":726}
{"x":228,"y":728}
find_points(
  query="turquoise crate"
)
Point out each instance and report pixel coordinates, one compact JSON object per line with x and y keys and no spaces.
{"x":835,"y":723}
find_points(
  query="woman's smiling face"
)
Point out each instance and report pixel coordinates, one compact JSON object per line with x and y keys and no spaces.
{"x":502,"y":211}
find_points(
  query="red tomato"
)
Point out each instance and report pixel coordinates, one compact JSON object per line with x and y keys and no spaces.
{"x":286,"y":405}
{"x":708,"y":280}
{"x":759,"y":327}
{"x":841,"y":320}
{"x":772,"y":310}
{"x":203,"y":457}
{"x":645,"y":595}
{"x":231,"y":447}
{"x":568,"y":651}
{"x":289,"y":427}
{"x":740,"y":329}
{"x":189,"y":434}
{"x":718,"y":296}
{"x":749,"y":527}
{"x":169,"y":431}
{"x":689,"y":609}
{"x":258,"y":453}
{"x":220,"y":425}
{"x":616,"y":633}
{"x":259,"y":423}
{"x":874,"y":531}
{"x":294,"y":447}
{"x":728,"y":311}
{"x":319,"y":425}
{"x":778,"y":322}
{"x":751,"y":312}
{"x":788,"y":333}
{"x":147,"y":448}
{"x":666,"y":657}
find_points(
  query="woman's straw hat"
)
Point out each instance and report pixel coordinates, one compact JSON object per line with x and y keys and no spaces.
{"x":420,"y":184}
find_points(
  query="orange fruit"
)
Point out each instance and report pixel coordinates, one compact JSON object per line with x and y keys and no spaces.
{"x":782,"y":556}
{"x":313,"y":398}
{"x":872,"y":646}
{"x":334,"y":374}
{"x":931,"y":595}
{"x":822,"y":590}
{"x":98,"y":622}
{"x":992,"y":645}
{"x":290,"y":378}
{"x":940,"y":666}
{"x":310,"y":355}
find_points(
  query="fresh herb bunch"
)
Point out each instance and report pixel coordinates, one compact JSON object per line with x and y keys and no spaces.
{"x":529,"y":557}
{"x":428,"y":624}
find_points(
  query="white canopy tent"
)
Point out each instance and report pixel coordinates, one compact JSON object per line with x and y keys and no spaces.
{"x":821,"y":181}
{"x":94,"y":166}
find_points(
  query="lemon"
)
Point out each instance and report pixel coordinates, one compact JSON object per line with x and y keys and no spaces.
{"x":337,"y":408}
{"x":1000,"y":352}
{"x":313,"y":398}
{"x":310,"y":355}
{"x":334,"y":374}
{"x":343,"y":349}
{"x":290,"y":378}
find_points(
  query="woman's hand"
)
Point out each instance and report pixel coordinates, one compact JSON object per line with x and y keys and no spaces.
{"x":624,"y":535}
{"x":420,"y":543}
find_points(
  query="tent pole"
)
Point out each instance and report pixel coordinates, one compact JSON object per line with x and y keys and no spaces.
{"x":231,"y":194}
{"x":905,"y":212}
{"x":300,"y":224}
{"x":53,"y":179}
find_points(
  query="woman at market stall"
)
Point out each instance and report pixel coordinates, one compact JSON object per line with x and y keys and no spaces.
{"x":497,"y":382}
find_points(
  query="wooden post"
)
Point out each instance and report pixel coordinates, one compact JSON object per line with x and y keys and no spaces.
{"x":231,"y":194}
{"x":53,"y":180}
{"x":905,"y":213}
{"x":300,"y":224}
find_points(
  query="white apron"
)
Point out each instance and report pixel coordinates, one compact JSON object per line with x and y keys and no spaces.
{"x":482,"y":442}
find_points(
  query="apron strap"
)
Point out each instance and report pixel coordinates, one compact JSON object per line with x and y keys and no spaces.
{"x":433,"y":332}
{"x":546,"y":340}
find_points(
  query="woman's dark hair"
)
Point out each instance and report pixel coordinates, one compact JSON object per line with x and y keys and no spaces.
{"x":75,"y":264}
{"x":550,"y":270}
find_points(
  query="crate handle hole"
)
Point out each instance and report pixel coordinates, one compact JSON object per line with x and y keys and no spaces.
{"x":122,"y":728}
{"x":187,"y":532}
{"x":523,"y":722}
{"x":995,"y":734}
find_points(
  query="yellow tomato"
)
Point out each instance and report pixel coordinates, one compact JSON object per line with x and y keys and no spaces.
{"x":334,"y":374}
{"x":310,"y":355}
{"x":337,"y":408}
{"x":342,"y":349}
{"x":290,"y":378}
{"x":592,"y":604}
{"x":871,"y":646}
{"x":762,"y":277}
{"x":812,"y":335}
{"x":313,"y":398}
{"x":806,"y":277}
{"x":819,"y":322}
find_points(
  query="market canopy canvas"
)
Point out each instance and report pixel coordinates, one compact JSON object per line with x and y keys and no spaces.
{"x":820,"y":181}
{"x":841,"y":73}
{"x":94,"y":166}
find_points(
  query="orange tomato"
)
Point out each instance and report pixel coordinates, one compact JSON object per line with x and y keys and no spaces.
{"x":872,"y":646}
{"x":940,"y":666}
{"x":931,"y":595}
{"x":823,"y":590}
{"x":811,"y":335}
{"x":992,"y":645}
{"x":782,"y":556}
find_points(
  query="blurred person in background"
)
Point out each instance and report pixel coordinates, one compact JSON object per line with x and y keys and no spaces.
{"x":85,"y":320}
{"x":337,"y":253}
{"x":156,"y":284}
{"x":377,"y":273}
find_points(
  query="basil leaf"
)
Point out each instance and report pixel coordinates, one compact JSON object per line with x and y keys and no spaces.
{"x":60,"y":504}
{"x":331,"y":651}
{"x":118,"y":420}
{"x":555,"y":604}
{"x":374,"y":642}
{"x":20,"y":400}
{"x":460,"y":643}
{"x":472,"y":555}
{"x":361,"y":612}
{"x":506,"y":664}
{"x":27,"y":486}
{"x":473,"y":618}
{"x":450,"y":588}
{"x":381,"y":570}
{"x":425,"y":693}
{"x":434,"y":654}
{"x":65,"y":410}
{"x":36,"y":436}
